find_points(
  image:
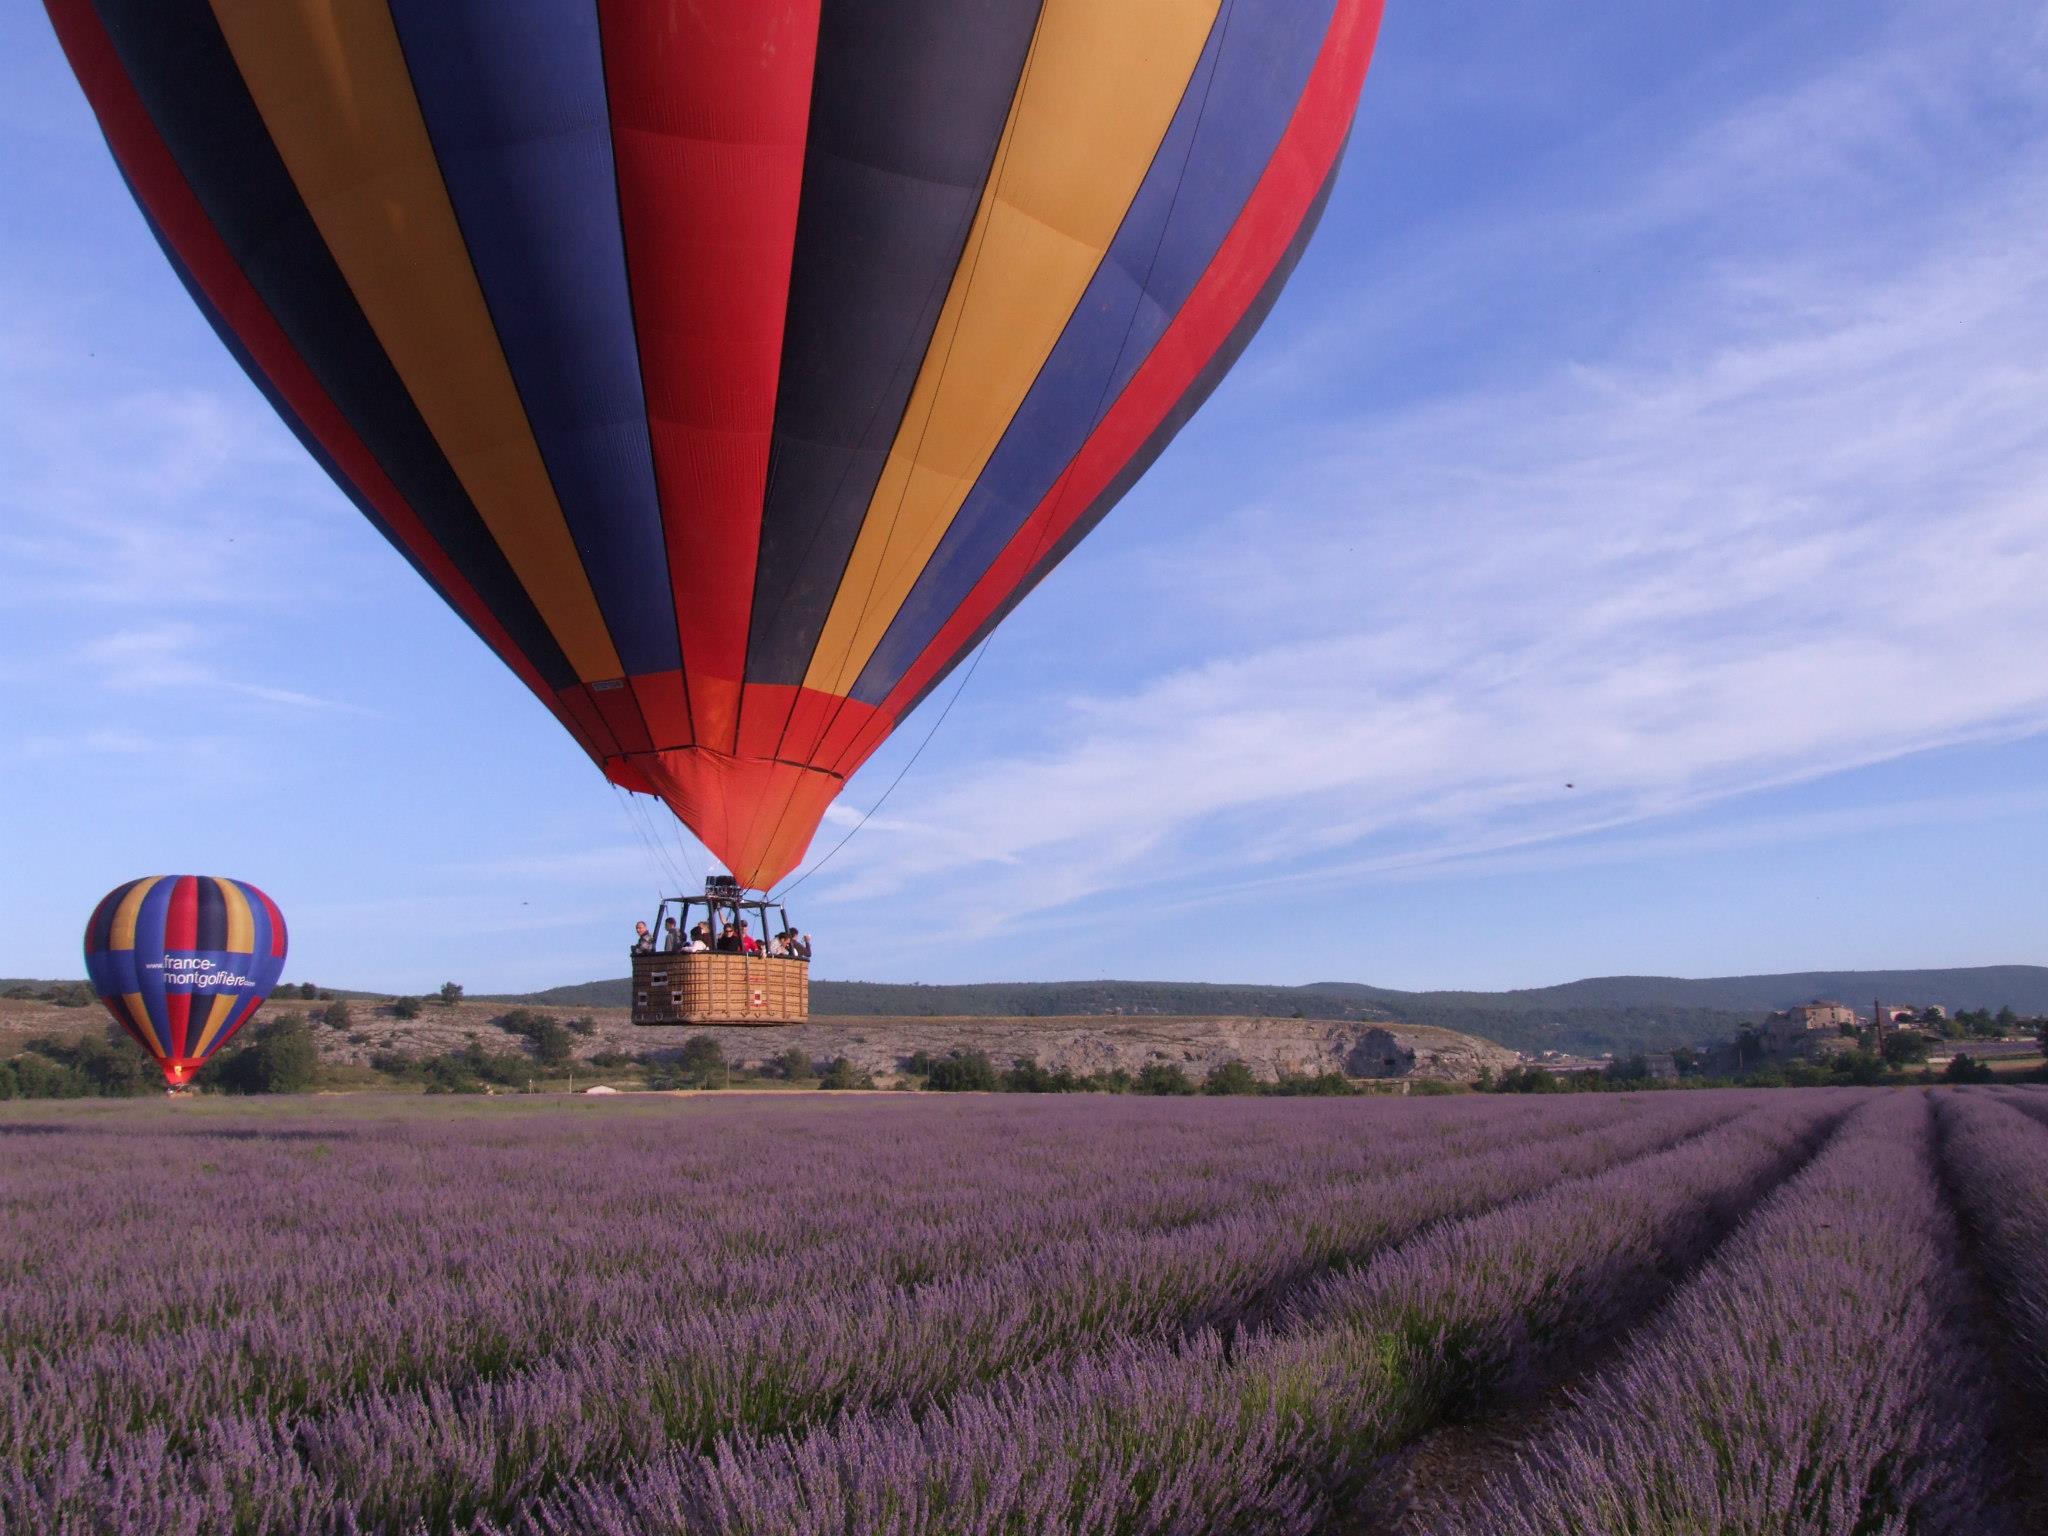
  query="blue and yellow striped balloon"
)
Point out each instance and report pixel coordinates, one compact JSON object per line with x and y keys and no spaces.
{"x":181,"y":961}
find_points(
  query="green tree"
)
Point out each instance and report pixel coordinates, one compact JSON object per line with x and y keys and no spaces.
{"x":403,"y":1007}
{"x":1165,"y":1079}
{"x":336,"y":1014}
{"x":1961,"y":1069}
{"x":1529,"y":1080}
{"x":794,"y":1065}
{"x":450,"y":993}
{"x":1319,"y":1085}
{"x":1902,"y":1048}
{"x":552,"y":1044}
{"x":702,"y":1062}
{"x":307,"y":991}
{"x":1231,"y":1077}
{"x":277,"y":1057}
{"x":963,"y":1072}
{"x":843,"y":1074}
{"x":1685,"y":1060}
{"x":2007,"y":1022}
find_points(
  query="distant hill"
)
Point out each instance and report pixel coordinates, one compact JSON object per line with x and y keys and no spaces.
{"x":1623,"y":1014}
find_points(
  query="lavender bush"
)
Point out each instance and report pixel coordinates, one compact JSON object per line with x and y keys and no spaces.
{"x":882,"y":1315}
{"x":1815,"y":1379}
{"x":1999,"y":1159}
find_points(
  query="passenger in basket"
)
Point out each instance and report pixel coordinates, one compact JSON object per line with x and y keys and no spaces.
{"x":671,"y":937}
{"x":700,"y":940}
{"x":799,"y":945}
{"x":643,"y":940}
{"x":729,"y":938}
{"x":749,"y":945}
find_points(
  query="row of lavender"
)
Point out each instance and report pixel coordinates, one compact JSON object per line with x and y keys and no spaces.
{"x":308,"y":1323}
{"x":1826,"y":1372}
{"x":1272,"y":1434}
{"x":1742,"y":1404}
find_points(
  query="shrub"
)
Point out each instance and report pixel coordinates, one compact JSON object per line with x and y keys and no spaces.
{"x":1430,"y":1087}
{"x":1961,"y":1069}
{"x":963,"y":1072}
{"x":794,"y":1065}
{"x":583,"y":1026}
{"x":336,"y":1014}
{"x":1027,"y":1076}
{"x":1528,"y":1080}
{"x":699,"y":1064}
{"x":611,"y":1059}
{"x":1165,"y":1079}
{"x":450,"y":993}
{"x":403,"y":1007}
{"x":102,"y":1066}
{"x":844,"y":1074}
{"x":307,"y":991}
{"x":1231,"y":1077}
{"x":277,"y":1057}
{"x":1323,"y":1085}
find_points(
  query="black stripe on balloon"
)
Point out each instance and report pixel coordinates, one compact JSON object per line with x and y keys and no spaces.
{"x":907,"y":110}
{"x":1184,"y":408}
{"x":212,"y":928}
{"x":185,"y":74}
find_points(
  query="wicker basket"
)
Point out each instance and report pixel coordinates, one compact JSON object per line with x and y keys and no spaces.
{"x":680,"y":988}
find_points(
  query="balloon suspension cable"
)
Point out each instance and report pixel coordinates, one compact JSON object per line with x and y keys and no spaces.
{"x":636,"y":817}
{"x":1065,"y":482}
{"x":966,"y":678}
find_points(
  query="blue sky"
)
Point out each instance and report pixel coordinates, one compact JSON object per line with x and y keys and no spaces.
{"x":1660,"y":413}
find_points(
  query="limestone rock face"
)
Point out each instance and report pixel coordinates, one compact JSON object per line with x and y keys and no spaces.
{"x":1270,"y":1047}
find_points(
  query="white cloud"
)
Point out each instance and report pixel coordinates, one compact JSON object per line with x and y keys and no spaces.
{"x":1796,"y":523}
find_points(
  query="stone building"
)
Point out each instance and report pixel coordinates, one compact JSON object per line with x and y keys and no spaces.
{"x":1796,"y":1030}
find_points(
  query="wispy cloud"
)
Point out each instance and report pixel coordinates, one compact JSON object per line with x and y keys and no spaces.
{"x":184,"y":659}
{"x":1794,"y":523}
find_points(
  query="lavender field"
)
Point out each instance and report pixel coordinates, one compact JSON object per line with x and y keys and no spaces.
{"x":1779,"y":1311}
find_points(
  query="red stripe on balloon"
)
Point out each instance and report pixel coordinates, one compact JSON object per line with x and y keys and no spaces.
{"x":181,"y":935}
{"x":161,"y":187}
{"x":277,"y":934}
{"x":709,"y":106}
{"x":1232,"y":283}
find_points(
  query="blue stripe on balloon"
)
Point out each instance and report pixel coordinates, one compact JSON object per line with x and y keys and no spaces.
{"x":149,"y":957}
{"x":1238,"y":103}
{"x":513,"y":94}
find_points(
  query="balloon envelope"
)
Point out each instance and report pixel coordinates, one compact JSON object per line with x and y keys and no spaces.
{"x":731,"y":368}
{"x":181,"y":961}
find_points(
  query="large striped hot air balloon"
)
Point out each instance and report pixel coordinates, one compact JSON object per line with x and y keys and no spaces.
{"x":732,"y":367}
{"x":181,"y":961}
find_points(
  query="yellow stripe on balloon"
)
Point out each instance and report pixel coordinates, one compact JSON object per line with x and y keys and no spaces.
{"x":122,"y":935}
{"x":241,"y":922}
{"x":216,"y":1017}
{"x":137,"y":1011}
{"x":330,"y":80}
{"x":1099,"y":90}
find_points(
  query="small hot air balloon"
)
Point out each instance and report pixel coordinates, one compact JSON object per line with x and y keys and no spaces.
{"x":181,"y":961}
{"x":731,"y":368}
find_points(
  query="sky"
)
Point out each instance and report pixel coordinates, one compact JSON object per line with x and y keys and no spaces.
{"x":1624,"y":550}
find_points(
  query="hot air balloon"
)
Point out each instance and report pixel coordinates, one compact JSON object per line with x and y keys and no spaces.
{"x":181,"y":961}
{"x":731,"y":368}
